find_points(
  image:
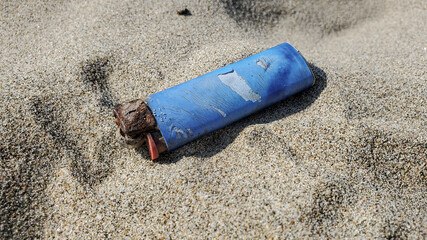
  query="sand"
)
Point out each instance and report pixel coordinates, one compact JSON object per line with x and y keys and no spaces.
{"x":344,"y":159}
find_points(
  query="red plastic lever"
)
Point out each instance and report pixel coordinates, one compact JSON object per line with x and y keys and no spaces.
{"x":152,"y":147}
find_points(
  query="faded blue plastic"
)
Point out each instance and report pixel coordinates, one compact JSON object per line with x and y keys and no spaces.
{"x":216,"y":99}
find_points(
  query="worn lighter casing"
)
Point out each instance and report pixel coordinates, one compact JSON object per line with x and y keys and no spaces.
{"x":216,"y":99}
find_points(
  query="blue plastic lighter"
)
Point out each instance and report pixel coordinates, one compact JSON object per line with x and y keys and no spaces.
{"x":173,"y":117}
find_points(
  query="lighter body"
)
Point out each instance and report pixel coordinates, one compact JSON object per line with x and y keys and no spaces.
{"x":212,"y":101}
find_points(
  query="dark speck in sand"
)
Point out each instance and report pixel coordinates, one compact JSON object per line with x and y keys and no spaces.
{"x":184,"y":12}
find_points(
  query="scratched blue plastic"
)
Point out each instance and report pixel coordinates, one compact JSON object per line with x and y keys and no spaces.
{"x":216,"y":99}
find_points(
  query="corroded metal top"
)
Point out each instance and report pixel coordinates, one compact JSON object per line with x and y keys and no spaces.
{"x":138,"y":125}
{"x":134,"y":118}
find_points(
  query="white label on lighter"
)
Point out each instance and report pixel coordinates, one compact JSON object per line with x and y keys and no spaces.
{"x":239,"y":86}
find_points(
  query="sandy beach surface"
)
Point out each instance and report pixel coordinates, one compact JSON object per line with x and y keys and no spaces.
{"x":344,"y":159}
